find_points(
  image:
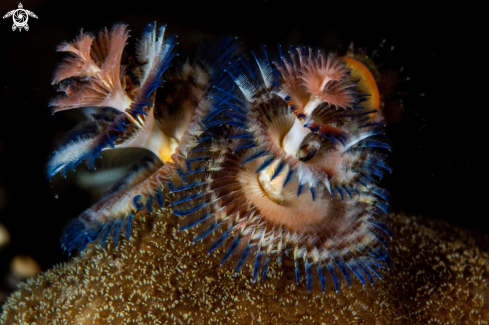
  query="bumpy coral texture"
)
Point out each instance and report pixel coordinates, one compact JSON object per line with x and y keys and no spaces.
{"x":440,"y":277}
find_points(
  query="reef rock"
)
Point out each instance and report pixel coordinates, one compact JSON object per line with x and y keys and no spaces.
{"x":439,"y":275}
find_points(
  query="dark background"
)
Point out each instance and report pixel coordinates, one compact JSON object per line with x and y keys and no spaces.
{"x":438,"y":146}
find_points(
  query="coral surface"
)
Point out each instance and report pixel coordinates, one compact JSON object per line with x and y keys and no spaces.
{"x":440,"y":276}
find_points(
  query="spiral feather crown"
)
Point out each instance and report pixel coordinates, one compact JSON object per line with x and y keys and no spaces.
{"x":260,"y":157}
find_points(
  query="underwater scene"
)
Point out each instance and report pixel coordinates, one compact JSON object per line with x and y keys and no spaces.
{"x":241,"y":162}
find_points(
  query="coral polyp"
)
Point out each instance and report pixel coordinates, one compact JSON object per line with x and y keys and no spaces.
{"x":260,"y":159}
